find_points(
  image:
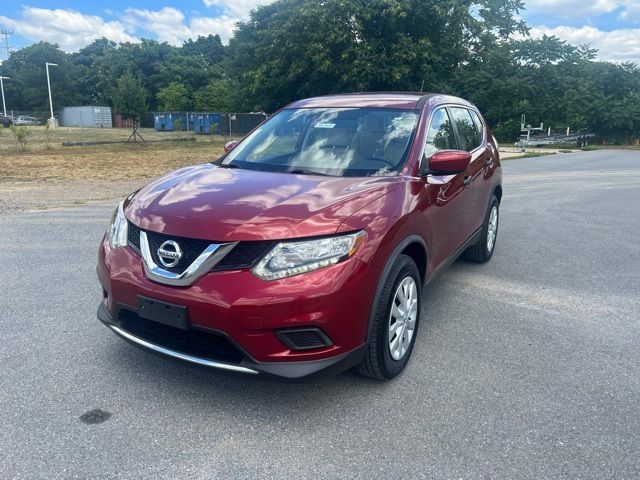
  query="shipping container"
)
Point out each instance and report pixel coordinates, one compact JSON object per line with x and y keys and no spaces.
{"x":86,"y":116}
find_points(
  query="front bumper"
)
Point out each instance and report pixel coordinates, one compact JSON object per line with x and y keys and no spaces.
{"x":279,"y":370}
{"x":247,"y":312}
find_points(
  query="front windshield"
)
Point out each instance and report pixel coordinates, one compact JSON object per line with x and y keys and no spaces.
{"x":329,"y":141}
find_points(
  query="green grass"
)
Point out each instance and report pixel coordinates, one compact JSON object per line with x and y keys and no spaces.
{"x":119,"y":161}
{"x":528,"y":155}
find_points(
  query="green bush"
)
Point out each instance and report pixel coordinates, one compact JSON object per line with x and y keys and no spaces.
{"x":47,"y":140}
{"x":21,"y":133}
{"x":177,"y":127}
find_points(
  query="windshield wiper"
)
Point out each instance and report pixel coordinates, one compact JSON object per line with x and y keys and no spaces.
{"x":229,"y":165}
{"x":299,"y":171}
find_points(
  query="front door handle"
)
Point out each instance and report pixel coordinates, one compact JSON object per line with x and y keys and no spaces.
{"x":467,"y":181}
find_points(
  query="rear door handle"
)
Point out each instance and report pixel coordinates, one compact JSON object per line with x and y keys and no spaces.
{"x":467,"y":181}
{"x":490,"y":162}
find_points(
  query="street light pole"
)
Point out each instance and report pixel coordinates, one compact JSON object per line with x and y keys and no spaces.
{"x":51,"y":120}
{"x":4,"y":106}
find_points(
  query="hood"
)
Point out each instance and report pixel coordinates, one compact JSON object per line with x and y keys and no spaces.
{"x":224,"y":204}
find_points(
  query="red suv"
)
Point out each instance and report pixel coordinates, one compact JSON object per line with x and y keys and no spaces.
{"x":305,"y":248}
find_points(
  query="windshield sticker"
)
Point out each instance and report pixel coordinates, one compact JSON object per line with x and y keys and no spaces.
{"x":324,"y":125}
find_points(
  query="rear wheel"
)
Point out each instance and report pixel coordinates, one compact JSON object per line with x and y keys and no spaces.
{"x":482,"y":251}
{"x":395,"y":322}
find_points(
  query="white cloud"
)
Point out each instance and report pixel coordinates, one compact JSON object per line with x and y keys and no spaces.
{"x":223,"y":26}
{"x":70,"y":29}
{"x":237,"y":8}
{"x":167,"y":24}
{"x":631,"y":11}
{"x":621,"y":45}
{"x":73,"y":30}
{"x":170,"y":25}
{"x":571,"y":8}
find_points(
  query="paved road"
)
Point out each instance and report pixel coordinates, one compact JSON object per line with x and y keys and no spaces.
{"x":527,"y":367}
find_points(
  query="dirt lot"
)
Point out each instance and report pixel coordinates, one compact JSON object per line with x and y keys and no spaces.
{"x":48,"y":175}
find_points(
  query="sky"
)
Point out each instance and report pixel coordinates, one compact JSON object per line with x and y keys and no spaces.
{"x":612,"y":26}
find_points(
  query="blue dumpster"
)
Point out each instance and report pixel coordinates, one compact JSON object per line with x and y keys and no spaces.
{"x":206,"y":123}
{"x":184,"y":121}
{"x":165,"y":121}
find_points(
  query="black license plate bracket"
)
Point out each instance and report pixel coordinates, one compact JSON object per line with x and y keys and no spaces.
{"x":162,"y":312}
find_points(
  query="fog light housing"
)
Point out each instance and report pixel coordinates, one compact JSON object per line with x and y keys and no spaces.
{"x":304,"y":338}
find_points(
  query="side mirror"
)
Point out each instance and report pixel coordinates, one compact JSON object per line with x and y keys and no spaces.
{"x":449,"y":162}
{"x":230,"y":145}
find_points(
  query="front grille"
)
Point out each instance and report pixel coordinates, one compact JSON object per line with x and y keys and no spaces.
{"x":243,"y":255}
{"x":192,"y":342}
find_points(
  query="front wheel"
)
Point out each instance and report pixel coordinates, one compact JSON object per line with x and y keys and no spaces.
{"x":395,"y":322}
{"x":482,"y":251}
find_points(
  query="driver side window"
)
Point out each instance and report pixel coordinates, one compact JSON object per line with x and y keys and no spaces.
{"x":440,"y":135}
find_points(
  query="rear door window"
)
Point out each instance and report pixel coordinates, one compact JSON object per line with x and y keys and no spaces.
{"x":468,"y":135}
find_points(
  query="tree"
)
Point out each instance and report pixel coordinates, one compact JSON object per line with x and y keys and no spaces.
{"x":28,"y":87}
{"x":297,"y":48}
{"x":129,"y":98}
{"x":173,"y":98}
{"x":214,"y":97}
{"x":209,"y":48}
{"x":87,"y":63}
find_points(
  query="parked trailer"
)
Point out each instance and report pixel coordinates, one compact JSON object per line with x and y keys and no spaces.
{"x":578,"y":139}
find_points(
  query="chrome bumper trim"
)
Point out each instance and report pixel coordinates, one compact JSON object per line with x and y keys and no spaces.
{"x":182,"y":356}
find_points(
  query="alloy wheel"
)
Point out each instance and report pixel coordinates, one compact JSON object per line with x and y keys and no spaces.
{"x":492,"y":228}
{"x":402,"y":318}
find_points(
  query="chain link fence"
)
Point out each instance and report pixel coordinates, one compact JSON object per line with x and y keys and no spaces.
{"x":201,"y":123}
{"x":205,"y":123}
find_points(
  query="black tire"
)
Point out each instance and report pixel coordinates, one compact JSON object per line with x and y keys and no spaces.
{"x":480,"y":253}
{"x":378,"y":362}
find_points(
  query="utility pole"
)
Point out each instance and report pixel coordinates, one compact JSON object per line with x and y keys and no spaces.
{"x":4,"y":106}
{"x":6,"y":34}
{"x":52,"y":120}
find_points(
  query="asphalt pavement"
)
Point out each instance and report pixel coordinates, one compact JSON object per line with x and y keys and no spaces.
{"x":526,"y":367}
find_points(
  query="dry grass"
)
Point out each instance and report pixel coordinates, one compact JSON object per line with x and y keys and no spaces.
{"x":49,"y":160}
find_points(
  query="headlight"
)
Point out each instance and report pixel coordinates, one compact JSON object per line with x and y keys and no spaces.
{"x":293,"y":258}
{"x":118,"y":228}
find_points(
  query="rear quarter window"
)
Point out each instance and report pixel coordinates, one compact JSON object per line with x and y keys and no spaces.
{"x":469,"y":136}
{"x":478,"y":123}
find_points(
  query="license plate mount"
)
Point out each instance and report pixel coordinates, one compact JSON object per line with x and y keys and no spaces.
{"x":162,"y":312}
